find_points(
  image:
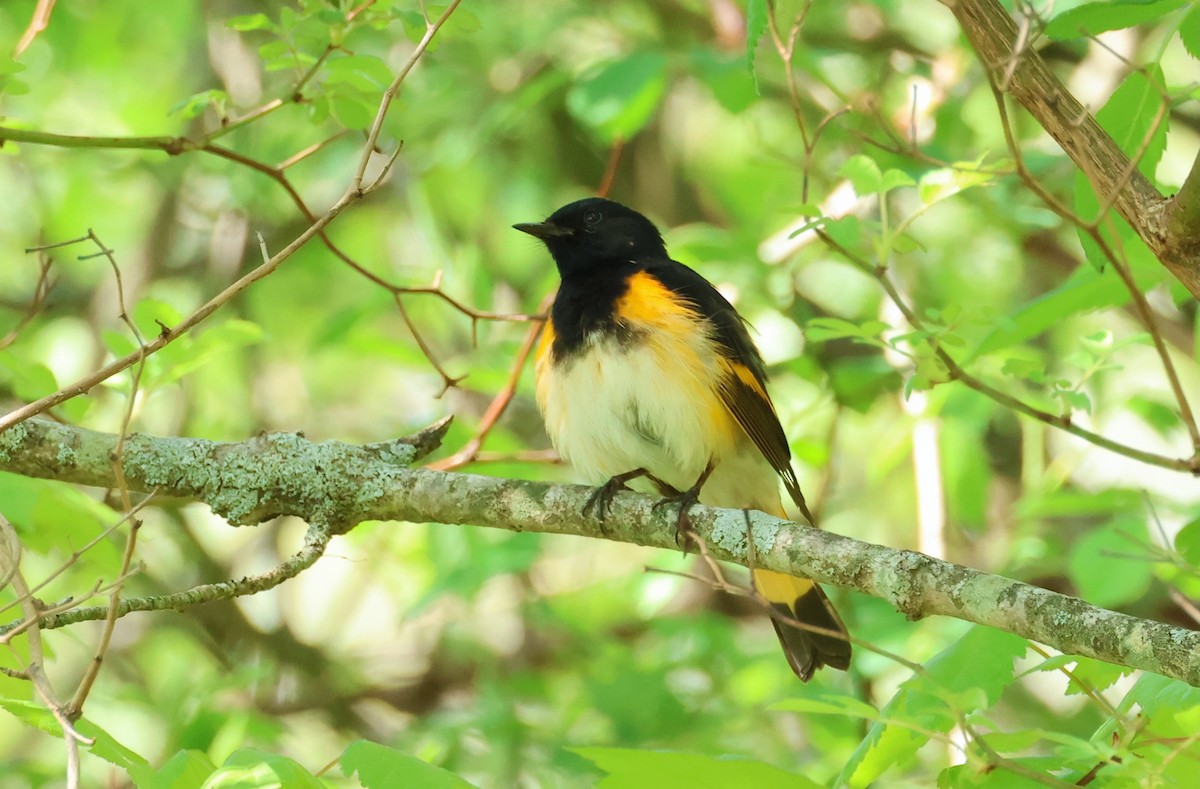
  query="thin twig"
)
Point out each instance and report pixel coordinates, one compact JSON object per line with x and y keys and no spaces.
{"x":500,"y":402}
{"x":1093,"y":230}
{"x":956,"y":372}
{"x":354,"y":192}
{"x":41,"y":290}
{"x":315,"y":541}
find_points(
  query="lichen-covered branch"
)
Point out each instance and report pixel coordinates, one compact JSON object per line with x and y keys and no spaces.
{"x":341,"y":485}
{"x":1167,"y":226}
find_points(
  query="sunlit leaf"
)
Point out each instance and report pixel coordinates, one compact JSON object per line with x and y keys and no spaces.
{"x":757,"y":16}
{"x":1189,"y":32}
{"x":1093,"y":18}
{"x":250,"y":22}
{"x":620,"y":98}
{"x":863,"y":173}
{"x":628,"y":768}
{"x":380,"y":767}
{"x":249,"y":768}
{"x":981,"y":661}
{"x":1109,"y":565}
{"x":1136,"y":118}
{"x":185,"y":770}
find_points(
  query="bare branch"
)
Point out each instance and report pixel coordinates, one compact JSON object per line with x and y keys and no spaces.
{"x":1168,"y":227}
{"x":335,"y":485}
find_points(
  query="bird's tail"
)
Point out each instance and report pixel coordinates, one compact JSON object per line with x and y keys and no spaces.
{"x":802,"y":600}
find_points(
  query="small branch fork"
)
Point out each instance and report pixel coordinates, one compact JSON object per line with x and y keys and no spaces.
{"x":1169,"y":227}
{"x":356,"y":190}
{"x":1115,"y":177}
{"x":37,"y":617}
{"x":472,"y":451}
{"x":375,"y":483}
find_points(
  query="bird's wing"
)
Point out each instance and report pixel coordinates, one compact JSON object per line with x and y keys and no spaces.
{"x":743,"y":387}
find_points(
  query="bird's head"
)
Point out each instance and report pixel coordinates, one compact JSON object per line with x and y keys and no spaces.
{"x":596,"y":232}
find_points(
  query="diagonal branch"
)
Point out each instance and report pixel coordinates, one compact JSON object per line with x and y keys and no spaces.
{"x":338,"y":485}
{"x":1170,"y":227}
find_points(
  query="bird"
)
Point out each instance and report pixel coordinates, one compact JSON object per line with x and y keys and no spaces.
{"x":644,"y":370}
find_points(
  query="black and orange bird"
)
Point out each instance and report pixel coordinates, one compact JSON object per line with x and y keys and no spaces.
{"x":646,"y":370}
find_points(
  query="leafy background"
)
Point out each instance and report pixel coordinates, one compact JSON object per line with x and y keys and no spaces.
{"x":438,"y":655}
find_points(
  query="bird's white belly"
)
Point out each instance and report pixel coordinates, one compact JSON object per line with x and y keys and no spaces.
{"x":621,"y":405}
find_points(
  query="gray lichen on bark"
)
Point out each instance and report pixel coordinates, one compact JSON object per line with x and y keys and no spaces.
{"x":333,"y":486}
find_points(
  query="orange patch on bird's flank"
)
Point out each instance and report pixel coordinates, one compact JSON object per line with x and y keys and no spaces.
{"x":541,"y":364}
{"x":681,"y":339}
{"x":547,"y":339}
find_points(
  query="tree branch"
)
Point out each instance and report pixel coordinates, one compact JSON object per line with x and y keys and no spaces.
{"x":337,"y":485}
{"x":1170,"y":227}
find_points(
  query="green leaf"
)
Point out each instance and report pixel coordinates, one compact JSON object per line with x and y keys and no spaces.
{"x":825,"y":329}
{"x":756,"y":25}
{"x":980,"y":662}
{"x":1158,"y":414}
{"x":858,"y":380}
{"x":365,"y":72}
{"x":250,"y":22}
{"x":1170,"y":707}
{"x":725,"y":78}
{"x":249,"y":768}
{"x":1086,"y":289}
{"x":894,"y":179}
{"x":1131,"y":117}
{"x":180,"y":359}
{"x":1074,"y":503}
{"x":107,"y":748}
{"x":379,"y":767}
{"x":32,"y":714}
{"x":8,"y":83}
{"x":1094,"y":18}
{"x":1109,"y":566}
{"x":461,"y":21}
{"x":937,"y":185}
{"x":105,"y":745}
{"x":864,"y":174}
{"x":619,"y":99}
{"x":1093,"y":675}
{"x":184,"y":770}
{"x":636,"y":769}
{"x":1087,"y":675}
{"x":195,"y":105}
{"x":29,"y":380}
{"x":351,"y":109}
{"x":1030,"y":369}
{"x":846,"y":230}
{"x":1187,"y":542}
{"x":829,"y":704}
{"x":1189,"y":32}
{"x":1157,"y":695}
{"x":9,"y":66}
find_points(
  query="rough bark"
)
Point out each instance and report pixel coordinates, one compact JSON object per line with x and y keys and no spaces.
{"x":338,"y":485}
{"x":1169,"y":226}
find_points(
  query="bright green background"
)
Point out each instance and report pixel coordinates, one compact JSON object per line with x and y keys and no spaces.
{"x":520,"y":660}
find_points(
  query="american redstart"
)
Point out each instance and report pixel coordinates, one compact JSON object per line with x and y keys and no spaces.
{"x":645,"y":370}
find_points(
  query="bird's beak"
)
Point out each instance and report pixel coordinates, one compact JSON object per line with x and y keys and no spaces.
{"x":544,"y":230}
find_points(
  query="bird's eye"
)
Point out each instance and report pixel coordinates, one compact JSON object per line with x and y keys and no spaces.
{"x":591,"y":217}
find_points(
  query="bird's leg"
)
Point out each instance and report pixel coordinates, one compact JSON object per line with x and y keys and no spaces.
{"x":685,"y":500}
{"x":601,"y":500}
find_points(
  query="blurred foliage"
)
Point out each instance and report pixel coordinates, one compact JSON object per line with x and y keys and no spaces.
{"x":427,"y":655}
